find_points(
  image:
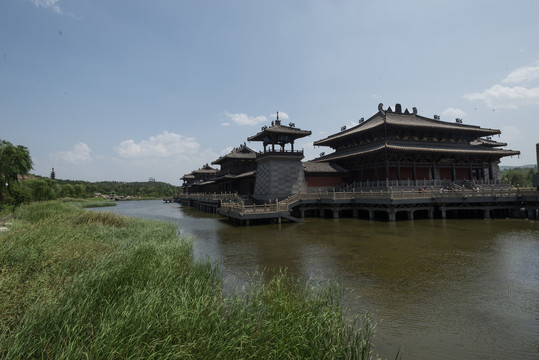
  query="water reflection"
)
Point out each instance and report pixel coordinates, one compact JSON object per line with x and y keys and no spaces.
{"x":442,"y":289}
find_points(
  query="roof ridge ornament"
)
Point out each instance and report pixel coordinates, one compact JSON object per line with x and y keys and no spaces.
{"x":381,"y":109}
{"x":414,"y":109}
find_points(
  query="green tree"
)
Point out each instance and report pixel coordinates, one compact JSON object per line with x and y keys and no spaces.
{"x":43,"y":190}
{"x":14,"y":161}
{"x":67,"y":190}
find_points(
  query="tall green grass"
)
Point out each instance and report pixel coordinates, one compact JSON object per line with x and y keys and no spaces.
{"x":77,"y":284}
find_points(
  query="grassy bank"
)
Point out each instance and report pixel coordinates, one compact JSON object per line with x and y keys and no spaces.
{"x":78,"y":284}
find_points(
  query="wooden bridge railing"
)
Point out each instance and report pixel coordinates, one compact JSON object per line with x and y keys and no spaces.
{"x":238,"y":207}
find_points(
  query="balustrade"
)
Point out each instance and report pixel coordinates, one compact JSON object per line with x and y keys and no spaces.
{"x":284,"y":205}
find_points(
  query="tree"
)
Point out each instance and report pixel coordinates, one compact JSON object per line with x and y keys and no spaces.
{"x":14,"y":161}
{"x":42,"y":189}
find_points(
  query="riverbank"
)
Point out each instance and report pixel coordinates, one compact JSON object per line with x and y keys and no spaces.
{"x":79,"y":284}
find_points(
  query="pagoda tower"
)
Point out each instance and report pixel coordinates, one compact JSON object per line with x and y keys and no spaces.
{"x":279,"y":172}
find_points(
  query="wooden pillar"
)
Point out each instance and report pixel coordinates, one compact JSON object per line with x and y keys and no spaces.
{"x":443,"y":210}
{"x":392,"y":214}
{"x":470,"y":171}
{"x":453,"y":172}
{"x":335,"y":213}
{"x":433,"y":171}
{"x":487,"y":213}
{"x":398,"y":170}
{"x":387,"y":169}
{"x":411,"y":214}
{"x":414,"y":172}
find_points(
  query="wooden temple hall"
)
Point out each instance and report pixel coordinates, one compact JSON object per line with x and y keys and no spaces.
{"x":394,"y":165}
{"x":394,"y":147}
{"x":402,"y":145}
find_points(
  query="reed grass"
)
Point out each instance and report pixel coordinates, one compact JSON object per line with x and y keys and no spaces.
{"x":77,"y":284}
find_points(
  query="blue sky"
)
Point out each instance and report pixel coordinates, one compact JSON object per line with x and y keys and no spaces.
{"x":127,"y":90}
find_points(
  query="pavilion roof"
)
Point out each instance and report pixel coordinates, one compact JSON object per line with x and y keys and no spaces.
{"x":232,"y":176}
{"x":488,"y":142}
{"x":276,"y":132}
{"x":398,"y":119}
{"x":206,"y":169}
{"x":404,"y":146}
{"x":242,"y":153}
{"x":325,"y":167}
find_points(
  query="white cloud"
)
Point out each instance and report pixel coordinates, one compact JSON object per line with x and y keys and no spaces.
{"x":244,"y":119}
{"x":164,"y":145}
{"x":49,"y":4}
{"x":453,"y":113}
{"x":505,"y":96}
{"x":225,"y":124}
{"x":499,"y":96}
{"x":521,"y":75}
{"x":78,"y":156}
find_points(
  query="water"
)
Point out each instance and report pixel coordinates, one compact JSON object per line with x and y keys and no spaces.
{"x":440,"y":289}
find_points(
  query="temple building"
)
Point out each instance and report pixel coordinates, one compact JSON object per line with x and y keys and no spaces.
{"x":237,"y":173}
{"x":279,"y":171}
{"x":198,"y":177}
{"x":394,"y":146}
{"x":402,"y":145}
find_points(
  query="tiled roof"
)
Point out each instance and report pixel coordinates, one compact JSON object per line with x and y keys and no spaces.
{"x":277,"y":129}
{"x":238,"y":176}
{"x":322,"y":167}
{"x":418,"y":147}
{"x":488,"y":142}
{"x":402,"y":120}
{"x":206,"y":169}
{"x":243,"y":153}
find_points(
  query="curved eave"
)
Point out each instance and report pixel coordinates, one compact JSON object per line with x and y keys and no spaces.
{"x":472,"y":150}
{"x":397,"y":121}
{"x":277,"y":130}
{"x":234,"y":157}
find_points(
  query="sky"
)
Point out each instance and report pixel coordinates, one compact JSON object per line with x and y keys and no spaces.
{"x":128,"y":90}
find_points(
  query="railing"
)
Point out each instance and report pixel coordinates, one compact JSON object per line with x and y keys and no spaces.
{"x":211,"y":196}
{"x":280,"y":152}
{"x":373,"y":184}
{"x":239,"y":208}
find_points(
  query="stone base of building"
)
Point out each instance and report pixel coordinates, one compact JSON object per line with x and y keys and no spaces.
{"x":278,"y":177}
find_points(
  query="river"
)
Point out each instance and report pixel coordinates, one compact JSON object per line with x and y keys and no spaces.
{"x":438,"y":289}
